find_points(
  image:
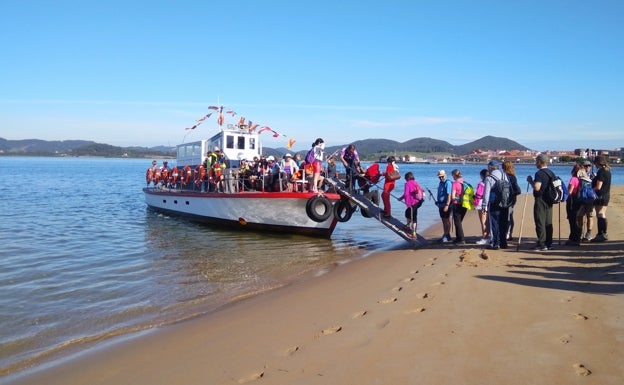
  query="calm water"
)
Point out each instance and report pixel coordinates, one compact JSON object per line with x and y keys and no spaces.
{"x":84,"y":260}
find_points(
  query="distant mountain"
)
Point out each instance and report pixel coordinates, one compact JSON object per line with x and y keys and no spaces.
{"x":366,"y":148}
{"x":77,"y":148}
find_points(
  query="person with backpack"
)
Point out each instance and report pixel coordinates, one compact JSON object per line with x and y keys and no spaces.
{"x":457,"y":210}
{"x":317,"y":151}
{"x":483,"y":217}
{"x":496,"y":202}
{"x":542,"y":209}
{"x":602,"y":186}
{"x":443,"y":201}
{"x":414,"y":197}
{"x":573,"y":205}
{"x":350,"y":160}
{"x":586,"y":212}
{"x":510,"y":171}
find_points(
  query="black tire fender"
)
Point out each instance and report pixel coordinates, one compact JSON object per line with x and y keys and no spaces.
{"x":343,"y":210}
{"x":319,"y":202}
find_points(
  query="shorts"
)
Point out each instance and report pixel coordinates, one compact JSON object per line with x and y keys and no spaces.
{"x":411,"y":214}
{"x":443,"y":214}
{"x":317,"y":166}
{"x":585,"y":210}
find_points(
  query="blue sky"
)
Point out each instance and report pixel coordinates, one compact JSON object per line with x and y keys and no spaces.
{"x":547,"y":74}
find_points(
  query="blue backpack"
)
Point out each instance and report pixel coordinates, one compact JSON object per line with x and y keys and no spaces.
{"x":586,"y":194}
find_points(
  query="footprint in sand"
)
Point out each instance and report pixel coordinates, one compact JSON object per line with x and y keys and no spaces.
{"x":387,"y":300}
{"x":331,"y":330}
{"x":565,"y":339}
{"x":567,"y":299}
{"x":416,"y":310}
{"x":422,"y":295}
{"x":409,"y":279}
{"x":359,"y":314}
{"x":581,"y":370}
{"x":397,"y":289}
{"x":429,"y":264}
{"x":438,"y":283}
{"x":253,"y":377}
{"x":292,"y":350}
{"x":414,"y":272}
{"x":580,"y":316}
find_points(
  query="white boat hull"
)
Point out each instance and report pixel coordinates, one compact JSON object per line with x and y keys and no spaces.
{"x":264,"y":211}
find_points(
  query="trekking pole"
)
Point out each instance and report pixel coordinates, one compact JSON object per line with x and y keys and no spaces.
{"x":526,"y":198}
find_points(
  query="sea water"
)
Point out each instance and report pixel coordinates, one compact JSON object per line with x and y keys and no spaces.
{"x":84,"y":260}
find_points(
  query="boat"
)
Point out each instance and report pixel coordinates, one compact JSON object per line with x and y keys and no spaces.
{"x":226,"y":197}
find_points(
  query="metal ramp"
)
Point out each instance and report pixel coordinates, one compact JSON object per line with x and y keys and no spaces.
{"x":374,"y":211}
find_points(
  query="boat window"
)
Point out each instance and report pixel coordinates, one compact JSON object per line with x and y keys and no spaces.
{"x":241,"y":143}
{"x":229,"y":141}
{"x":252,"y":143}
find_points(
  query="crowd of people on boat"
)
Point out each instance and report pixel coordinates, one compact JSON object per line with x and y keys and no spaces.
{"x":494,"y":197}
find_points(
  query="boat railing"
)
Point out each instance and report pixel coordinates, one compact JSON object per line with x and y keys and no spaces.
{"x":230,"y":181}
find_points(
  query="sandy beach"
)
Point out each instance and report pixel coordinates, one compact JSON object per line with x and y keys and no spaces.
{"x":440,"y":314}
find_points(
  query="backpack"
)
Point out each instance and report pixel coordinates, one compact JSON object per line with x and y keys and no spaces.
{"x":515,"y":188}
{"x":502,"y":191}
{"x":309,"y":158}
{"x":586,"y":194}
{"x":419,"y":195}
{"x":556,"y":191}
{"x":467,"y":197}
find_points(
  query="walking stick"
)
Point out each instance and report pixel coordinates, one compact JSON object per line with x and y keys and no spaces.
{"x":526,"y":198}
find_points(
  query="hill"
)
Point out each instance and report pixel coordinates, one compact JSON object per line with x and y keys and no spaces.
{"x":368,"y":148}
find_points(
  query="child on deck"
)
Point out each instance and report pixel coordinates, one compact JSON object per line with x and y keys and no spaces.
{"x":413,"y":195}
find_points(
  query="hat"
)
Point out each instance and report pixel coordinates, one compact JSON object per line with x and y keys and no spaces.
{"x":542,"y":158}
{"x":586,"y":163}
{"x":271,"y":157}
{"x":441,"y":173}
{"x":493,"y":163}
{"x":164,"y":162}
{"x":582,"y":174}
{"x":154,"y":162}
{"x":287,"y":155}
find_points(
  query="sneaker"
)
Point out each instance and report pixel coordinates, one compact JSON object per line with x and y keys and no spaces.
{"x":444,"y":239}
{"x":587,"y":237}
{"x":600,"y":238}
{"x":483,"y":241}
{"x":540,"y":248}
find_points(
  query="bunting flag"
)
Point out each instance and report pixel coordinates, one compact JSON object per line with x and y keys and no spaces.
{"x":290,"y":143}
{"x":213,"y":108}
{"x":231,"y":112}
{"x":252,"y":126}
{"x":241,"y":121}
{"x":263,"y":129}
{"x":204,"y":117}
{"x":220,"y":117}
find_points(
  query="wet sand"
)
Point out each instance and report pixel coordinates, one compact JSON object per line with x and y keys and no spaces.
{"x":441,"y":314}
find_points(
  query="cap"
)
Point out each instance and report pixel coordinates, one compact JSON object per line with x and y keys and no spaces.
{"x":586,"y":163}
{"x":441,"y":173}
{"x":287,"y":155}
{"x":271,"y":157}
{"x":543,"y":158}
{"x":493,"y":163}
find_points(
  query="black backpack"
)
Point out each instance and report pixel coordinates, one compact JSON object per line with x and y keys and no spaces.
{"x":502,"y":191}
